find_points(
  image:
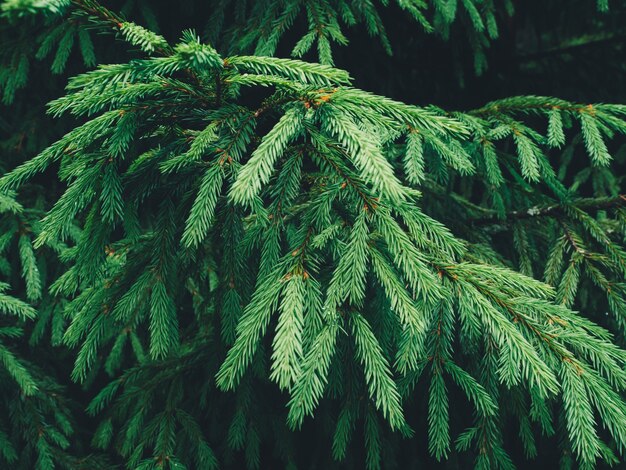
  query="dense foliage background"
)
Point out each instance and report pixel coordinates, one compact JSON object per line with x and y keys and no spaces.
{"x":212,"y":258}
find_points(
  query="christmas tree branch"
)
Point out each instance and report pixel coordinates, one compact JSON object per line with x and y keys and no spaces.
{"x":553,"y":210}
{"x":96,"y":10}
{"x":525,"y":104}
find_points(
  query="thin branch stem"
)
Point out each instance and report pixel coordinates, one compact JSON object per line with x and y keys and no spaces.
{"x":553,"y":210}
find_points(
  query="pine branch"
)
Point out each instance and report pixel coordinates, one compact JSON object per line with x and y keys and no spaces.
{"x":531,"y":104}
{"x":232,"y":232}
{"x":553,"y":210}
{"x":95,"y":9}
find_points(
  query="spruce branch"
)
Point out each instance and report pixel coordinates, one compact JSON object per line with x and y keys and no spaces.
{"x":554,"y":210}
{"x":230,"y":232}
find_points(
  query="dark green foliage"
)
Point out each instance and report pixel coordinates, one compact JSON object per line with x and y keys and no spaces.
{"x":225,"y":258}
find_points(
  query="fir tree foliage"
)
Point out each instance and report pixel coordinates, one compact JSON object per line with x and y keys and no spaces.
{"x":236,"y":230}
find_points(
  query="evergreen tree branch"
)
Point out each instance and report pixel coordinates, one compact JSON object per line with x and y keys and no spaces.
{"x":553,"y":210}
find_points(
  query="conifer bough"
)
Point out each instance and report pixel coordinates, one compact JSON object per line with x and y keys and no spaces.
{"x":247,"y":249}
